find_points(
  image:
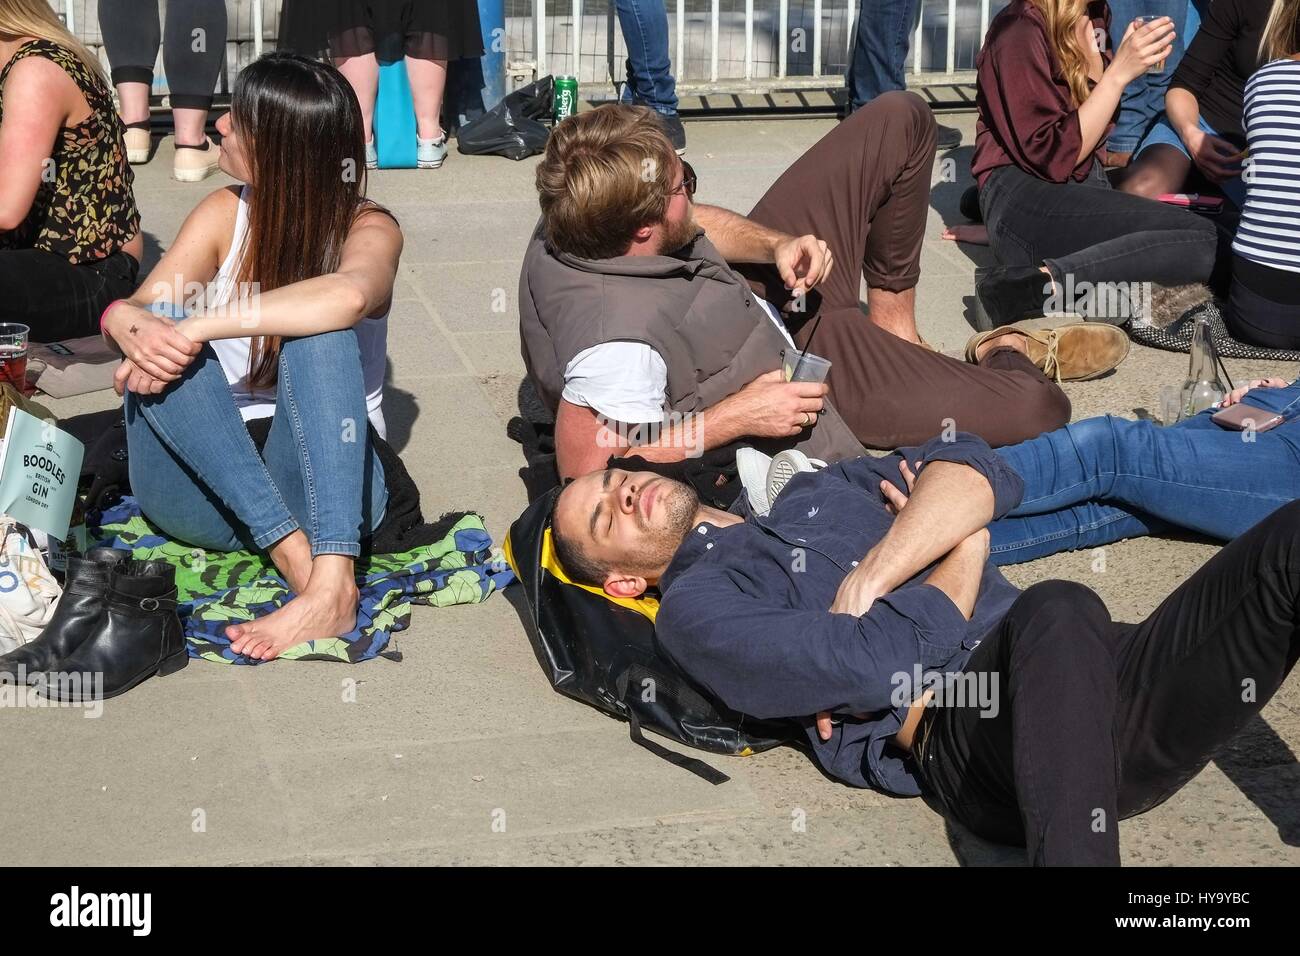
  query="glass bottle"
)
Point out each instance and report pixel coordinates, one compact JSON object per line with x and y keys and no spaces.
{"x":1203,"y":387}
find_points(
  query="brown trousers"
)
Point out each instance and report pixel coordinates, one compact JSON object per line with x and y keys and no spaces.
{"x":864,"y":189}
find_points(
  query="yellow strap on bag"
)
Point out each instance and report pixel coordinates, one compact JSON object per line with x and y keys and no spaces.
{"x":646,"y":606}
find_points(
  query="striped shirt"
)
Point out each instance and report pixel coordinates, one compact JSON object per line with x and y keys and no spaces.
{"x":1269,"y":234}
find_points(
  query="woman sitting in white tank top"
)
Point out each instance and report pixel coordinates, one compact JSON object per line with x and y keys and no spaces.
{"x":298,"y":269}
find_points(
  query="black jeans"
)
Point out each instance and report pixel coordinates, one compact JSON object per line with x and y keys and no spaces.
{"x":58,"y":300}
{"x":1092,"y":232}
{"x":1097,"y":721}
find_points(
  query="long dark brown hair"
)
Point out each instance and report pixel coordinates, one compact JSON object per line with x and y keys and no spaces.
{"x":304,"y":142}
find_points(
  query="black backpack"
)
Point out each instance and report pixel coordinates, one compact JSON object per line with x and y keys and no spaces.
{"x":605,"y":654}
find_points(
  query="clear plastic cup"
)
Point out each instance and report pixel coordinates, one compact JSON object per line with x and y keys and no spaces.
{"x":804,"y":366}
{"x":1154,"y":68}
{"x":1171,"y":404}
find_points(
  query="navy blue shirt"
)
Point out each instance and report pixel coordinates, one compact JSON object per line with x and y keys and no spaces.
{"x":744,"y":611}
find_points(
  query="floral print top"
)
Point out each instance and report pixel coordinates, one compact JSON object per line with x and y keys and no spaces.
{"x":84,"y":209}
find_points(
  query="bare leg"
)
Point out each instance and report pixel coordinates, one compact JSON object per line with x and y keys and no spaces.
{"x":894,"y":312}
{"x":190,"y":124}
{"x":428,"y":86}
{"x":1007,"y":340}
{"x":1157,"y":170}
{"x":134,"y":98}
{"x":292,"y":558}
{"x":325,"y":608}
{"x":363,"y":73}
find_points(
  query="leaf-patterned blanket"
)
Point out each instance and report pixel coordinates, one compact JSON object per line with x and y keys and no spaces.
{"x":217,"y":589}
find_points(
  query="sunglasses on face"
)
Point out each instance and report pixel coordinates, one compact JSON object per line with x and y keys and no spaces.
{"x":689,"y":181}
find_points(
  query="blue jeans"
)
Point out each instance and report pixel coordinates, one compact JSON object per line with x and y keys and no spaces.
{"x":1107,"y":478}
{"x":879,"y":49}
{"x":649,"y":71}
{"x":1144,"y":99}
{"x":198,"y":476}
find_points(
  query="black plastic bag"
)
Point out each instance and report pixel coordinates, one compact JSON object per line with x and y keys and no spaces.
{"x":513,"y":128}
{"x":605,"y":655}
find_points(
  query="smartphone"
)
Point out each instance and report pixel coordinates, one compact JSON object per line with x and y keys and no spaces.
{"x":1194,"y":201}
{"x":1241,"y":416}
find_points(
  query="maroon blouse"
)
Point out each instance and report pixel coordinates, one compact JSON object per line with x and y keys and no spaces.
{"x":1026,"y":117}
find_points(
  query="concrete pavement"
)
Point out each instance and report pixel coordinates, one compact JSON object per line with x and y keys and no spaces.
{"x":460,"y":752}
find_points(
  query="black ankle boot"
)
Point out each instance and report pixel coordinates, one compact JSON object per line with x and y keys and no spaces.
{"x":1008,"y":294}
{"x":139,"y":635}
{"x":74,"y":619}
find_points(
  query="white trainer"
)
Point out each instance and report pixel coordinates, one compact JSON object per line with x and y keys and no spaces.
{"x":752,"y":467}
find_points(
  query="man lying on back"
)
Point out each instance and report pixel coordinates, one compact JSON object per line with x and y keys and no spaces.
{"x":1031,"y":716}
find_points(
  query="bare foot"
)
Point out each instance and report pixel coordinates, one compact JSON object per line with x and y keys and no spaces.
{"x":315,"y":614}
{"x":291,"y":556}
{"x":975,"y":233}
{"x":1007,"y":340}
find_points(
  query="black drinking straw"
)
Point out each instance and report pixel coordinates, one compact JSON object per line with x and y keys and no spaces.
{"x":794,"y":376}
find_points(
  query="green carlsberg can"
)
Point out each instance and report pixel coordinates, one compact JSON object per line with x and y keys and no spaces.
{"x":566,"y":97}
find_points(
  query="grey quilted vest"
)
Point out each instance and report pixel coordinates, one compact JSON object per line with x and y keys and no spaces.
{"x":693,"y":309}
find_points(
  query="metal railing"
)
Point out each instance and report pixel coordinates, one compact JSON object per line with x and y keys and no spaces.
{"x":714,"y":45}
{"x":737,"y":45}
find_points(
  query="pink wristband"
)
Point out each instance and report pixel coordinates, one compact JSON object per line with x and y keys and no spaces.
{"x":103,"y":315}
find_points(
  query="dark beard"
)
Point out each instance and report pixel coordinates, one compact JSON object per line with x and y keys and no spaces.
{"x":662,"y":542}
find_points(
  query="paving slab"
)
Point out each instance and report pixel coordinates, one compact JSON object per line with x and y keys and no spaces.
{"x":287,"y":771}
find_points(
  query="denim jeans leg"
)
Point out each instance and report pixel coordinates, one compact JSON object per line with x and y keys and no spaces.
{"x":319,"y":452}
{"x":1143,"y":100}
{"x":1014,"y":540}
{"x":645,"y":31}
{"x":1134,"y":103}
{"x":172,"y":496}
{"x":879,"y":49}
{"x":196,"y":419}
{"x":1206,"y":479}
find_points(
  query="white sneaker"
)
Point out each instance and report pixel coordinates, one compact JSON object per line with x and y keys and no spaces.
{"x":785,"y":465}
{"x":430,"y":153}
{"x":372,"y":155}
{"x":752,"y":467}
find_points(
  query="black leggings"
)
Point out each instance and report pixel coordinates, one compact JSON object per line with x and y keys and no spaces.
{"x":1093,"y":232}
{"x":132,"y":33}
{"x":1260,"y":320}
{"x":58,"y":300}
{"x":1098,"y":721}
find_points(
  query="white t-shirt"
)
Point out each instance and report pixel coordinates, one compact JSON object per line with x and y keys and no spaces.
{"x":628,"y":381}
{"x":372,"y":340}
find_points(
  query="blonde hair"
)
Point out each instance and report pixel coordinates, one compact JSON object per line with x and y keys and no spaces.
{"x":1061,"y":17}
{"x":35,"y":18}
{"x":606,"y":173}
{"x":1280,"y":33}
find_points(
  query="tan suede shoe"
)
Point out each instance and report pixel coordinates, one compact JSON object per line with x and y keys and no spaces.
{"x":1068,"y":351}
{"x":195,"y":165}
{"x":137,"y":146}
